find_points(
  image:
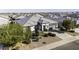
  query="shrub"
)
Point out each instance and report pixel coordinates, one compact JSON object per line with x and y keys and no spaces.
{"x":62,"y":29}
{"x":27,"y":42}
{"x":14,"y":33}
{"x":45,"y":29}
{"x":68,"y":24}
{"x":45,"y":35}
{"x":27,"y":36}
{"x":36,"y":39}
{"x":72,"y":31}
{"x":44,"y":42}
{"x":40,"y":37}
{"x":16,"y":48}
{"x":51,"y":34}
{"x":33,"y":37}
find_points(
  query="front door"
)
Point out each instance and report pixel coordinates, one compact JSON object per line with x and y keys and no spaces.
{"x":44,"y":27}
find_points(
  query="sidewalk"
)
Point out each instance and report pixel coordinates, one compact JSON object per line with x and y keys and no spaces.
{"x":63,"y":36}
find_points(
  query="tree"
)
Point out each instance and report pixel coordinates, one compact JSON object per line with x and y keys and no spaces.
{"x":38,"y":27}
{"x":36,"y":30}
{"x":12,"y":19}
{"x":68,"y":24}
{"x":73,"y":24}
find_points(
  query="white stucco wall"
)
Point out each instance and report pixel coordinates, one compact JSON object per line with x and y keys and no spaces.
{"x":53,"y":26}
{"x":32,"y":28}
{"x":46,"y":25}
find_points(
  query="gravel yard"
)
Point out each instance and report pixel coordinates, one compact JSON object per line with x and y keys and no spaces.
{"x":41,"y":42}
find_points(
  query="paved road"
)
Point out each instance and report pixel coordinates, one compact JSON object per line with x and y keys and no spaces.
{"x":69,"y":46}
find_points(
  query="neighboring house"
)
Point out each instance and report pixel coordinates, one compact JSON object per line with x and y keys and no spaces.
{"x":4,"y":21}
{"x":31,"y":21}
{"x":77,"y":22}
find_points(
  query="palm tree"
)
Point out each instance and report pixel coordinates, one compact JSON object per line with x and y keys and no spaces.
{"x":12,"y":19}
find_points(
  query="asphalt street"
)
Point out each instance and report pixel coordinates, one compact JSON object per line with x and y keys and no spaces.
{"x":70,"y":46}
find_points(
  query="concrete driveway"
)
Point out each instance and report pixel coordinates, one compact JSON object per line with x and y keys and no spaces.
{"x":77,"y":30}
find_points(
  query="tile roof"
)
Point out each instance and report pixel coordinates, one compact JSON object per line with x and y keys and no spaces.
{"x":22,"y":19}
{"x":32,"y":20}
{"x":35,"y":18}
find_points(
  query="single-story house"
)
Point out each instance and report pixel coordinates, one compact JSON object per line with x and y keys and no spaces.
{"x":32,"y":21}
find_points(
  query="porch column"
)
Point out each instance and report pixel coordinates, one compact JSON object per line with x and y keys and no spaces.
{"x":56,"y":25}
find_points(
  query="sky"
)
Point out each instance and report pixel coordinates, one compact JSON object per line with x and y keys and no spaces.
{"x":36,"y":10}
